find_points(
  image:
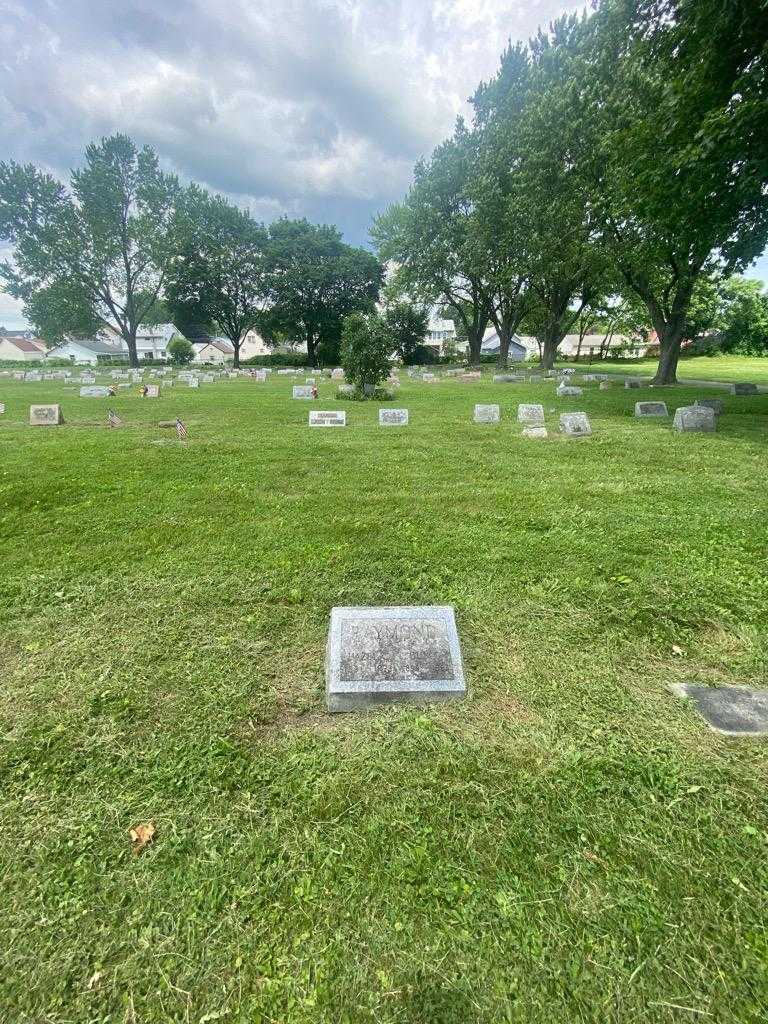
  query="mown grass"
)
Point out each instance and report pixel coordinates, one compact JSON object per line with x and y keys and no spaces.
{"x":715,"y":368}
{"x":570,"y":844}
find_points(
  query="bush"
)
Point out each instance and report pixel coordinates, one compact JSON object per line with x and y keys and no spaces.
{"x":180,"y":350}
{"x":365,"y":350}
{"x":278,"y":359}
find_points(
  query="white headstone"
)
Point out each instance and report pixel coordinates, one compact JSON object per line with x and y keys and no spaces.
{"x":487,"y":414}
{"x":533,"y":415}
{"x":327,"y":419}
{"x":94,"y":391}
{"x":303,"y":391}
{"x":535,"y":432}
{"x":393,"y":417}
{"x":575,"y":424}
{"x":694,"y":419}
{"x":45,"y":416}
{"x":644,"y":409}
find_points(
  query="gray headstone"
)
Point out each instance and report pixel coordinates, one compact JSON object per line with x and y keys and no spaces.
{"x":744,"y":389}
{"x":153,"y":391}
{"x":732,"y":710}
{"x":633,"y":384}
{"x":715,"y":404}
{"x":538,"y":433}
{"x":533,"y":415}
{"x":694,"y":419}
{"x":382,"y":655}
{"x":94,"y":391}
{"x":346,"y":389}
{"x":575,"y":424}
{"x":45,"y":416}
{"x":605,"y":385}
{"x":487,"y":414}
{"x":565,"y":391}
{"x":393,"y":417}
{"x":327,"y":419}
{"x":535,"y":378}
{"x":337,"y":374}
{"x":194,"y":382}
{"x":508,"y":378}
{"x":650,"y":409}
{"x":261,"y":376}
{"x":302,"y":391}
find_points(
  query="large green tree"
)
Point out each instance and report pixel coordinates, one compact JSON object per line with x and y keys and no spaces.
{"x":220,"y":276}
{"x":107,"y":241}
{"x":673,"y":98}
{"x":406,"y":324}
{"x":316,"y":280}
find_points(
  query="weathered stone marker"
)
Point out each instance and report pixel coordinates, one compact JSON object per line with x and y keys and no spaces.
{"x":731,"y":710}
{"x":487,"y":414}
{"x":715,"y":404}
{"x":337,"y":374}
{"x":575,"y":424}
{"x":153,"y":391}
{"x":694,"y":419}
{"x":633,"y":384}
{"x":393,"y":417}
{"x":532,"y":415}
{"x":327,"y":419}
{"x":650,"y":409}
{"x":45,"y":416}
{"x":2,"y":408}
{"x":303,"y":391}
{"x":567,"y":391}
{"x":537,"y":433}
{"x":744,"y":389}
{"x":94,"y":391}
{"x":382,"y":655}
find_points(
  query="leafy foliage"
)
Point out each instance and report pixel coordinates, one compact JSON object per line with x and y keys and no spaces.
{"x":406,"y":324}
{"x":366,"y":346}
{"x":180,"y":350}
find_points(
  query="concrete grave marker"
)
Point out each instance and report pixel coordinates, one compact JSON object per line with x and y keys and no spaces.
{"x":94,"y":391}
{"x":744,"y":389}
{"x":45,"y":416}
{"x":152,"y":391}
{"x":194,"y":382}
{"x":382,"y":655}
{"x":715,"y":404}
{"x":487,"y":414}
{"x":346,"y":389}
{"x":261,"y":376}
{"x":537,"y":433}
{"x":650,"y":409}
{"x":2,"y":408}
{"x":393,"y":417}
{"x":567,"y":391}
{"x":532,"y":415}
{"x":337,"y":374}
{"x":303,"y":391}
{"x":327,"y":419}
{"x":605,"y":385}
{"x":690,"y":419}
{"x":633,"y":384}
{"x":731,"y":710}
{"x":575,"y":424}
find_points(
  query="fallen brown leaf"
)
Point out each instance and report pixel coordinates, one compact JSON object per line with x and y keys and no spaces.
{"x":142,"y":835}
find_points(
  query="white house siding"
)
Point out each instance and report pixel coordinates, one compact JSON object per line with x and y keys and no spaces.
{"x":10,"y":351}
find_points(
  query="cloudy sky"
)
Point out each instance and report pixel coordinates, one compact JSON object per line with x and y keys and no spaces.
{"x":316,"y":108}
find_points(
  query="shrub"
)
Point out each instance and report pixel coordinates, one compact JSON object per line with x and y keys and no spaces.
{"x":181,"y":351}
{"x":365,"y":350}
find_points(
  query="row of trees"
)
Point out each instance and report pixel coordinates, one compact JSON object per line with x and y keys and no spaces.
{"x":126,"y":244}
{"x":617,"y":160}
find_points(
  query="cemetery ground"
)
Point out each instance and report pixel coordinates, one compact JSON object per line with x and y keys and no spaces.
{"x":732,"y":369}
{"x":571,"y":843}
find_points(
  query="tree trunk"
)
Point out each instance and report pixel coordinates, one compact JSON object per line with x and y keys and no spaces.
{"x":548,"y":344}
{"x":130,"y":340}
{"x":475,"y":341}
{"x":669,"y":344}
{"x":578,"y":348}
{"x":311,"y":349}
{"x":236,"y":360}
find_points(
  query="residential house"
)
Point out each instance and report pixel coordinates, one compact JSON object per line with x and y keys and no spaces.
{"x":518,"y":350}
{"x":87,"y":351}
{"x":214,"y":350}
{"x":440,"y":336}
{"x":254,"y":345}
{"x":21,"y":350}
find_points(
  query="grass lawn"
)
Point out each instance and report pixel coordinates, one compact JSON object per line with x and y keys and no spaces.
{"x":725,"y":368}
{"x":569,"y":844}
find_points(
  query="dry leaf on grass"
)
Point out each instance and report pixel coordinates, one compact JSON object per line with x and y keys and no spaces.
{"x":142,"y":835}
{"x":678,"y":650}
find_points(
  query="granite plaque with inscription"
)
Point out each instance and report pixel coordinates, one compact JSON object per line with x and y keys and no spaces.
{"x":383,"y":655}
{"x":487,"y":414}
{"x":94,"y":391}
{"x":45,"y":416}
{"x":694,"y":419}
{"x":650,"y":409}
{"x":393,"y":417}
{"x":531,"y":415}
{"x":318,"y":418}
{"x":575,"y":424}
{"x":744,"y":389}
{"x":303,"y":391}
{"x":731,"y":710}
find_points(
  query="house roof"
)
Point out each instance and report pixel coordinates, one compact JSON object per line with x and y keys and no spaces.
{"x":24,"y":344}
{"x":92,"y":345}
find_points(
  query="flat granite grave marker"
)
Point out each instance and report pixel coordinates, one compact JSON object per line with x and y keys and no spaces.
{"x":532,"y":415}
{"x":393,"y":417}
{"x":303,"y":391}
{"x":633,"y":384}
{"x":94,"y":391}
{"x":575,"y":424}
{"x":45,"y":416}
{"x":537,"y":433}
{"x":382,"y":655}
{"x":566,"y":391}
{"x":327,"y":419}
{"x":730,"y":710}
{"x":487,"y":414}
{"x":692,"y":419}
{"x":650,"y":409}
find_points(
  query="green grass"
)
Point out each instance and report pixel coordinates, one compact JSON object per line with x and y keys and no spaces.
{"x":716,"y":368}
{"x":569,"y":844}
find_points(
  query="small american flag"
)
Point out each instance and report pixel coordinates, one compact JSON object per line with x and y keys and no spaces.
{"x":181,"y":430}
{"x":113,"y":420}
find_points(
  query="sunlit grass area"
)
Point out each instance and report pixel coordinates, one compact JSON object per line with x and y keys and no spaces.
{"x":716,"y":368}
{"x":569,"y":844}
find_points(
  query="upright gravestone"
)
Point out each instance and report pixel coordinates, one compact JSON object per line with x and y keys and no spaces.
{"x":261,"y":376}
{"x":744,"y":389}
{"x":303,"y":391}
{"x":644,"y":409}
{"x":633,"y":383}
{"x":487,"y":414}
{"x":567,"y":391}
{"x":94,"y":391}
{"x":531,"y":415}
{"x":393,"y":417}
{"x":327,"y":419}
{"x":715,"y":404}
{"x":575,"y":424}
{"x":694,"y":419}
{"x":2,"y":408}
{"x":605,"y":385}
{"x":382,"y":655}
{"x":337,"y":374}
{"x":152,"y":391}
{"x":45,"y":416}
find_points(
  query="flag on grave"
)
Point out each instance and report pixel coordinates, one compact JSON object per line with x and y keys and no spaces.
{"x":113,"y":420}
{"x":181,"y":430}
